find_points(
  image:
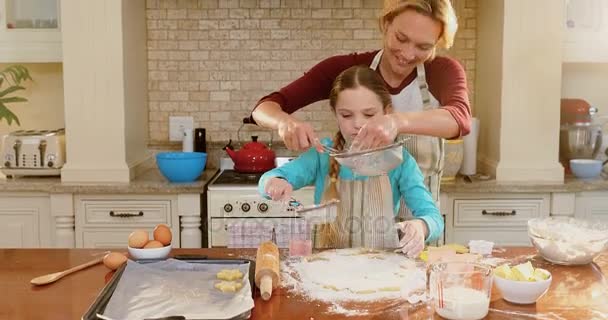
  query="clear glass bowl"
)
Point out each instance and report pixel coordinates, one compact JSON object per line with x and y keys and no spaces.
{"x":568,"y":241}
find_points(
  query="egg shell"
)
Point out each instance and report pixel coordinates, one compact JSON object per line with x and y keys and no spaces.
{"x":114,"y":260}
{"x":162,"y":233}
{"x":153,"y":244}
{"x":138,"y":239}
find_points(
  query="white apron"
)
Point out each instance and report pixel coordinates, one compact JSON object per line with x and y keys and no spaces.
{"x":428,"y":151}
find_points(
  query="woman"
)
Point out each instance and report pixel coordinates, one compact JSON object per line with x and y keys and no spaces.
{"x":366,"y":217}
{"x":429,"y":93}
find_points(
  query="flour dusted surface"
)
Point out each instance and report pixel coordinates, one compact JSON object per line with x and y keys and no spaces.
{"x":346,"y":276}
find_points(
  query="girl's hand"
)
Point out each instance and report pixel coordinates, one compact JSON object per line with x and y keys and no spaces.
{"x":377,"y":132}
{"x":278,"y":189}
{"x":414,"y":233}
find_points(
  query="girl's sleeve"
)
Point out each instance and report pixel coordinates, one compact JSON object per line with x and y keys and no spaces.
{"x":299,"y":172}
{"x":418,"y":198}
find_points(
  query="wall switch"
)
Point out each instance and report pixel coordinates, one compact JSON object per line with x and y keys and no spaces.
{"x":177,"y":125}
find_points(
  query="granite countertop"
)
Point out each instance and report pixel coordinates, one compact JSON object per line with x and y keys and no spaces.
{"x":570,"y":184}
{"x":150,"y":181}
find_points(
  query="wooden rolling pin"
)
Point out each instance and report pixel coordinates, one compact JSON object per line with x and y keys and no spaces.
{"x":267,"y":268}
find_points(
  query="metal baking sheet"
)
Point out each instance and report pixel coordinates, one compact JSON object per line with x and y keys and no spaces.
{"x":100,"y":303}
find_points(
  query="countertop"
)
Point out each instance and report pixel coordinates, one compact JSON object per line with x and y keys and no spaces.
{"x":570,"y":184}
{"x":150,"y":181}
{"x":576,"y":292}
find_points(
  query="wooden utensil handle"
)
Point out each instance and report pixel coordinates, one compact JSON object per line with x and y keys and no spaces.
{"x":82,"y":266}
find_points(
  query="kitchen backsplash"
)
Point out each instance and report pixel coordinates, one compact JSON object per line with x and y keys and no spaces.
{"x":214,"y":59}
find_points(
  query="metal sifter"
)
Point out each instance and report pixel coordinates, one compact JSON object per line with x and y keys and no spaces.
{"x":371,"y":162}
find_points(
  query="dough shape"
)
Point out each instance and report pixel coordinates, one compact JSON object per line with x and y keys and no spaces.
{"x":230,"y":274}
{"x":228,"y":286}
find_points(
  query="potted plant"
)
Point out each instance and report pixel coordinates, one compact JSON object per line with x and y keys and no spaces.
{"x":10,"y":82}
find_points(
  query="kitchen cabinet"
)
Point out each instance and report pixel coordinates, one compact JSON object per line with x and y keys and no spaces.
{"x":585,"y":31}
{"x":30,"y":31}
{"x":501,"y":218}
{"x":25,"y":220}
{"x":104,"y":221}
{"x":592,"y":205}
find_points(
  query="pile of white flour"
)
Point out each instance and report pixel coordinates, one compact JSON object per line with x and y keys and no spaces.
{"x":340,"y":277}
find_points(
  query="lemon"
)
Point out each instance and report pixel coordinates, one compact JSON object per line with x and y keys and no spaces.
{"x":503,"y":271}
{"x":524,"y":272}
{"x":541,"y":274}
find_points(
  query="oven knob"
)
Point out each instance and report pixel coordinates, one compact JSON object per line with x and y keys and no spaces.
{"x":50,"y":164}
{"x":227,"y":207}
{"x":7,"y":164}
{"x":263,"y":207}
{"x":245,"y":207}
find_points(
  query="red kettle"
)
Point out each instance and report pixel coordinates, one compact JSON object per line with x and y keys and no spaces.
{"x":253,"y":157}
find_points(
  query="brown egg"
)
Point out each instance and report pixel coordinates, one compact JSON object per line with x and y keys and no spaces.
{"x":138,"y":238}
{"x":162,"y":233}
{"x":153,"y":244}
{"x":114,"y":260}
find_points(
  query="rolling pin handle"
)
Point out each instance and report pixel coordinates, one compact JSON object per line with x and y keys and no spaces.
{"x":266,"y":287}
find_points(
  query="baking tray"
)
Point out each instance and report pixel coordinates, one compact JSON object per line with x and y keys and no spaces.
{"x":100,"y":303}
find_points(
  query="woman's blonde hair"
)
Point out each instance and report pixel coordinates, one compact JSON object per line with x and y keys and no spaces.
{"x":351,"y":78}
{"x":438,"y":10}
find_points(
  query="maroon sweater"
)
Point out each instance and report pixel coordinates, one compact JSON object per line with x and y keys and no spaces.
{"x":445,"y":76}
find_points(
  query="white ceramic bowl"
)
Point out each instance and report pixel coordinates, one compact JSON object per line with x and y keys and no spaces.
{"x":152,"y":253}
{"x":522,"y":292}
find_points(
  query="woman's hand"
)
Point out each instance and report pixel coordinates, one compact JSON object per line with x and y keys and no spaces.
{"x":297,"y":135}
{"x":278,"y":189}
{"x":414,"y":233}
{"x":377,"y":132}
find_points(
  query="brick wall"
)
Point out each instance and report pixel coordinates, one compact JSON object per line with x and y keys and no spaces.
{"x":213,"y":59}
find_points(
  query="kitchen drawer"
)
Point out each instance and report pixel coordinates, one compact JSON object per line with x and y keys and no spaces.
{"x":496,"y":213}
{"x":134,"y":213}
{"x":106,"y":238}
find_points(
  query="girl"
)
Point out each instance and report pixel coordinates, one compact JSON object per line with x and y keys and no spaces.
{"x":366,"y":215}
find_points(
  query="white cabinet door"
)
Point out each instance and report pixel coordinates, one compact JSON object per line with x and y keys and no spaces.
{"x":592,"y":205}
{"x":24,"y":221}
{"x":585,"y":31}
{"x":30,"y":31}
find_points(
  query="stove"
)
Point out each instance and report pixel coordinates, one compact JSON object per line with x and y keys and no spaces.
{"x":237,"y":216}
{"x":231,"y":178}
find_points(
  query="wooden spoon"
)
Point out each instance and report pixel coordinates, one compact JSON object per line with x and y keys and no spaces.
{"x":52,"y":277}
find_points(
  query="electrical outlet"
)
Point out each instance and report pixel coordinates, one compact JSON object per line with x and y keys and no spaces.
{"x":177,"y":125}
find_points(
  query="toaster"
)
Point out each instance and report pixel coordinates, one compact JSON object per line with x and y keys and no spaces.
{"x":33,"y":152}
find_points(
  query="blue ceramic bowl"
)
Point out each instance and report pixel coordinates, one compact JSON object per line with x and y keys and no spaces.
{"x":181,"y":166}
{"x":586,"y":168}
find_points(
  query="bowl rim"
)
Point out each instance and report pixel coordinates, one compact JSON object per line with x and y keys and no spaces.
{"x":179,"y":155}
{"x":527,"y":283}
{"x":589,"y":221}
{"x":586,"y":161}
{"x":150,"y":249}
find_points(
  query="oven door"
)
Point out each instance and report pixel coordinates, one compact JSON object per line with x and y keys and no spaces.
{"x":250,"y":232}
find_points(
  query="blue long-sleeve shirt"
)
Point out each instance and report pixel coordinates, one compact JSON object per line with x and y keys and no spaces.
{"x":312,"y":167}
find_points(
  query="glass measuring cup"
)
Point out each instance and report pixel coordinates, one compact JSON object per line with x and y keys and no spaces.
{"x":460,"y":290}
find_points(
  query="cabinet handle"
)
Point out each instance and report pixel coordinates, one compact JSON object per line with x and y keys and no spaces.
{"x":126,"y":214}
{"x":499,"y":213}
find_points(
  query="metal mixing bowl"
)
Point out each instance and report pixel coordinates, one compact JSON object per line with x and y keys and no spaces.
{"x":580,"y":141}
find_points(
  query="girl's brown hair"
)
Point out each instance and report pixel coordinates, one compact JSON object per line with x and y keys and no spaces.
{"x":351,"y":78}
{"x":439,"y":10}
